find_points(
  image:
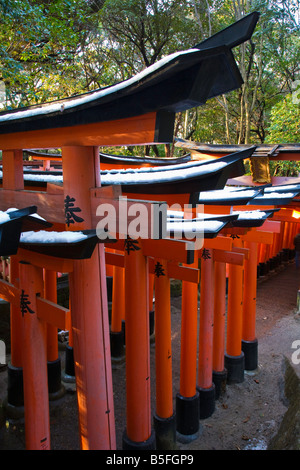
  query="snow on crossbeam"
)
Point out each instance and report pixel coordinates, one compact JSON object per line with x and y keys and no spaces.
{"x":42,"y":236}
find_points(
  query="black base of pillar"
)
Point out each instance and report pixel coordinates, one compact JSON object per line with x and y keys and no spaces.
{"x":187,"y":413}
{"x":250,"y":350}
{"x":285,"y":255}
{"x":263,"y":269}
{"x":109,"y":287}
{"x":220,"y":379}
{"x":149,"y":444}
{"x":273,"y":263}
{"x":258,"y":271}
{"x":69,"y":365}
{"x":165,"y":432}
{"x":55,"y":387}
{"x":123,"y":331}
{"x":151,"y":322}
{"x":117,"y":345}
{"x":15,"y":392}
{"x":14,"y":402}
{"x":207,"y":397}
{"x":235,"y":366}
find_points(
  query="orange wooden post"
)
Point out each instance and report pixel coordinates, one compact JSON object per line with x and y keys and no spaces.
{"x":164,"y":419}
{"x":138,"y":433}
{"x":219,"y":371}
{"x":205,"y":386}
{"x":56,"y":390}
{"x":288,"y":235}
{"x":109,"y":271}
{"x":151,"y":304}
{"x":117,"y":314}
{"x":36,"y":401}
{"x":285,"y":241}
{"x":275,"y":251}
{"x":15,"y":318}
{"x":187,"y":400}
{"x":12,"y":166}
{"x":234,"y":356}
{"x":279,"y":246}
{"x":293,"y":234}
{"x":69,"y":373}
{"x":259,"y":247}
{"x":249,"y":340}
{"x":288,"y":241}
{"x":89,"y":310}
{"x":262,"y":259}
{"x":15,"y":396}
{"x":267,"y":258}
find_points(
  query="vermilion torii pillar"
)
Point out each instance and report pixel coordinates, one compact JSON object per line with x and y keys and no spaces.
{"x":249,"y":341}
{"x":234,"y":356}
{"x":117,"y":314}
{"x":88,"y":297}
{"x":221,"y":259}
{"x":205,"y":385}
{"x":36,"y":401}
{"x":56,"y":389}
{"x":211,"y":371}
{"x":138,"y":433}
{"x":219,"y":371}
{"x":265,"y":236}
{"x":187,"y":400}
{"x":12,"y":165}
{"x":163,"y":257}
{"x":164,"y":419}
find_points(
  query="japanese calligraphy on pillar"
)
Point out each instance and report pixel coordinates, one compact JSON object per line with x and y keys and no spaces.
{"x":71,"y":211}
{"x":159,"y":269}
{"x":233,"y":236}
{"x":44,"y":443}
{"x":131,"y":245}
{"x":205,"y":254}
{"x":25,"y":303}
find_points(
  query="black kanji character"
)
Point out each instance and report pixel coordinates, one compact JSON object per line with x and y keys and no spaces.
{"x":24,"y":303}
{"x":159,"y":270}
{"x":205,"y":254}
{"x":71,"y":218}
{"x":233,"y":236}
{"x":131,"y":245}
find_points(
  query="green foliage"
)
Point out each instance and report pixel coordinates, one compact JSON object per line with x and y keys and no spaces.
{"x":284,"y":124}
{"x":141,"y":31}
{"x":285,"y":128}
{"x":284,"y":168}
{"x":41,"y":48}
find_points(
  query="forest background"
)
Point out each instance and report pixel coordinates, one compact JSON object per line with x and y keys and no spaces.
{"x":54,"y":49}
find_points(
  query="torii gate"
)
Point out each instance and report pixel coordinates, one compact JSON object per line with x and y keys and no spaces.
{"x":81,"y":174}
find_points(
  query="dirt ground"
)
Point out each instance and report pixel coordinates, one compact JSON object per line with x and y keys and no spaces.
{"x":247,"y":416}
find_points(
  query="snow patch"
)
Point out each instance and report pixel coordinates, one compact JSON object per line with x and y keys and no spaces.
{"x":43,"y":236}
